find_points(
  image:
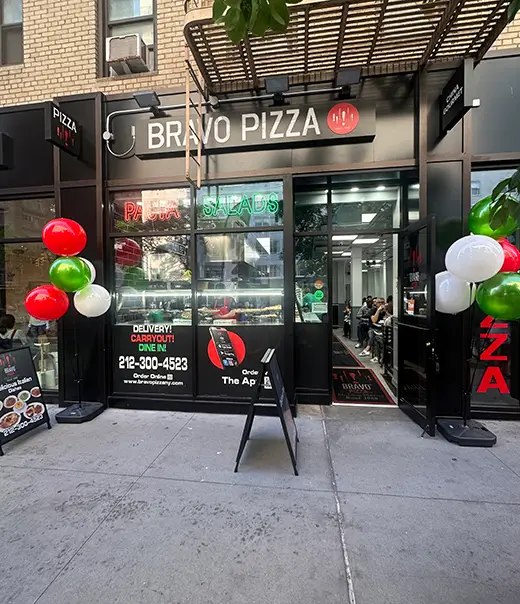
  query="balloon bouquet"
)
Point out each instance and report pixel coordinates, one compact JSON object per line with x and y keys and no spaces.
{"x":69,"y":274}
{"x":488,"y":259}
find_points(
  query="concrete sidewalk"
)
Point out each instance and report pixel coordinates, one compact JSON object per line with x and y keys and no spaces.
{"x":144,"y":508}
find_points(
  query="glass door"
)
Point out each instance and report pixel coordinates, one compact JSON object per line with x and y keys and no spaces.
{"x":415,"y":333}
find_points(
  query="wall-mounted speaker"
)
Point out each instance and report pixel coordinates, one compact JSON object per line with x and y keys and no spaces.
{"x":6,"y":152}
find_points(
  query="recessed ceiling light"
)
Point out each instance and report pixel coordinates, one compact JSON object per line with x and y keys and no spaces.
{"x":381,"y":188}
{"x":368,"y":217}
{"x":347,"y":254}
{"x":354,"y":189}
{"x":365,"y":241}
{"x":344,"y":237}
{"x":365,"y":270}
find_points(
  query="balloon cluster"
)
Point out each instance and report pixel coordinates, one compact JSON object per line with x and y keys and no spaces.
{"x":485,"y":257}
{"x":68,"y":273}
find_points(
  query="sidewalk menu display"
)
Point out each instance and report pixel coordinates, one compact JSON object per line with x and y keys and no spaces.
{"x":152,"y":358}
{"x":270,"y":365}
{"x":21,"y":405}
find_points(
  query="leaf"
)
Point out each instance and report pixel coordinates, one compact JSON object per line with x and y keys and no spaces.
{"x":499,"y":218}
{"x":219,"y":8}
{"x":512,"y":10}
{"x":236,"y":25}
{"x":279,"y":13}
{"x":259,"y":27}
{"x":255,"y":7}
{"x":515,"y":180}
{"x":500,"y":188}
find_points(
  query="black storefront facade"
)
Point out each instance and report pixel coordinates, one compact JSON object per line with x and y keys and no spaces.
{"x":195,"y":242}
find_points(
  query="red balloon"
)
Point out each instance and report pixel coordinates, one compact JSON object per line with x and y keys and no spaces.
{"x":64,"y":237}
{"x":511,"y":257}
{"x":128,"y":252}
{"x":46,"y":303}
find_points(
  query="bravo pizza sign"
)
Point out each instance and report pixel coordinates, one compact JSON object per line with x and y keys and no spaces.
{"x":289,"y":126}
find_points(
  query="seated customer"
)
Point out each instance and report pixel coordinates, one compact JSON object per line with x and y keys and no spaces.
{"x":10,"y":337}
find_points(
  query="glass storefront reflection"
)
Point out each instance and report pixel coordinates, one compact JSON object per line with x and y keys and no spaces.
{"x":153,"y":280}
{"x":240,"y":278}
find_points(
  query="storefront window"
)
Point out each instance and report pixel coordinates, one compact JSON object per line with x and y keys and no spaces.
{"x":153,"y":280}
{"x":413,"y":203}
{"x":310,"y":209}
{"x":494,"y":360}
{"x":484,"y":181}
{"x":153,"y":210}
{"x":311,"y":288}
{"x":25,"y":218}
{"x":24,"y":266}
{"x":240,"y":278}
{"x":243,"y":205}
{"x":366,"y":206}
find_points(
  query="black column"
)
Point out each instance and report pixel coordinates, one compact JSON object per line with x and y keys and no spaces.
{"x":80,"y":192}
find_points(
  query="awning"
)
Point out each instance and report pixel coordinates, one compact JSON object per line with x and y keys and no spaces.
{"x":381,"y":36}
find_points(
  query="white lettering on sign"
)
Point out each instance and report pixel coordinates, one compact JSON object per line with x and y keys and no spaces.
{"x":156,"y":133}
{"x":266,"y":126}
{"x":64,"y":119}
{"x":245,"y":128}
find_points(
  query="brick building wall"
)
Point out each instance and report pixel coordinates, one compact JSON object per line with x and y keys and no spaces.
{"x":61,"y":48}
{"x":510,"y":37}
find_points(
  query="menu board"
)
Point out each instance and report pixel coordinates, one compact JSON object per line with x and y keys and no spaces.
{"x":21,"y":405}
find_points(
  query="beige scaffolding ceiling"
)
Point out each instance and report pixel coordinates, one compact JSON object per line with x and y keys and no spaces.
{"x":381,"y":36}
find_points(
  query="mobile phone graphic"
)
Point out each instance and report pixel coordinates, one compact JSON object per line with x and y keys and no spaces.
{"x":226,"y":352}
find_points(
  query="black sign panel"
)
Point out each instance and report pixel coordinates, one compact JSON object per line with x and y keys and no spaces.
{"x":270,"y":366}
{"x":21,"y":405}
{"x":61,"y":130}
{"x":456,"y":98}
{"x":152,"y":358}
{"x":354,"y":385}
{"x":290,"y":126}
{"x":229,"y":359}
{"x":281,"y":398}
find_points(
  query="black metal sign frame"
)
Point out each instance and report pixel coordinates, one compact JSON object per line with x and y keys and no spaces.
{"x":270,"y":367}
{"x":14,"y":385}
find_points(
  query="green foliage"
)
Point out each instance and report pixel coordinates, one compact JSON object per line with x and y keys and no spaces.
{"x":512,"y":10}
{"x":241,"y":18}
{"x":506,"y":200}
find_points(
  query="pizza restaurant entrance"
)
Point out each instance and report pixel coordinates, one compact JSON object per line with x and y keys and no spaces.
{"x":349,"y":251}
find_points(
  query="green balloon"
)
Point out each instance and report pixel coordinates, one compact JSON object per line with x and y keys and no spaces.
{"x":478,"y":221}
{"x":69,"y":274}
{"x":135,"y":277}
{"x":499,"y":297}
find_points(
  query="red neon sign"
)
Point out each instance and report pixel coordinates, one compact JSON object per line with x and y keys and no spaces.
{"x":493,"y":377}
{"x":151,"y":211}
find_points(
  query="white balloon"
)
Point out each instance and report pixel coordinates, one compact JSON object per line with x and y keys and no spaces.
{"x":92,"y":270}
{"x":475,"y":258}
{"x":92,"y":301}
{"x":452,"y":295}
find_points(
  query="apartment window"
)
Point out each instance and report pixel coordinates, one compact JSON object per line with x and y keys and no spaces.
{"x":11,"y":36}
{"x":133,"y":17}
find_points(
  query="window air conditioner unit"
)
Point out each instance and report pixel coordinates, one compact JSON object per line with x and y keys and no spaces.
{"x":127,"y":54}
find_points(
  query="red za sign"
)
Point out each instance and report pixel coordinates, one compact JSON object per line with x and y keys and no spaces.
{"x":493,"y":376}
